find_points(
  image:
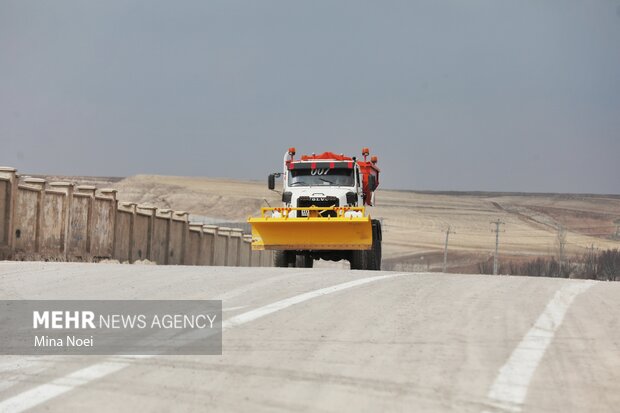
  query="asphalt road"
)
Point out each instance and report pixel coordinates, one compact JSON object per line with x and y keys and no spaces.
{"x":332,"y":340}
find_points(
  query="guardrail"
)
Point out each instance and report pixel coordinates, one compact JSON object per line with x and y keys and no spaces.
{"x":61,"y":221}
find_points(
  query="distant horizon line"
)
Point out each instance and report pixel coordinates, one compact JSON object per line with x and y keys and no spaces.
{"x":454,"y":192}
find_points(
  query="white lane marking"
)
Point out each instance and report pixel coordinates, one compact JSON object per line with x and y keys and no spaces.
{"x":45,"y":392}
{"x":239,"y":307}
{"x":14,"y":369}
{"x":509,"y":390}
{"x":282,"y":304}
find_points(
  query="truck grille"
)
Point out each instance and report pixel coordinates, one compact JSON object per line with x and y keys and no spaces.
{"x":306,"y":201}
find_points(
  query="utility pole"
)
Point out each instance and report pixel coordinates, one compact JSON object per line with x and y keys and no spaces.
{"x":561,"y":239}
{"x":497,"y":231}
{"x":591,"y":269}
{"x":445,"y":250}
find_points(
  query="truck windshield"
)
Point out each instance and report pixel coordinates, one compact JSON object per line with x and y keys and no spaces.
{"x":319,"y":177}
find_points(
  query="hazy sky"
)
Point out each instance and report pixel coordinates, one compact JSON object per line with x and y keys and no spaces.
{"x":451,"y":95}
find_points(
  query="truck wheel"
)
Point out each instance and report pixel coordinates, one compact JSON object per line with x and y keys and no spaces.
{"x":358,"y":260}
{"x":380,"y":243}
{"x":281,"y":258}
{"x":373,"y":256}
{"x":303,"y":261}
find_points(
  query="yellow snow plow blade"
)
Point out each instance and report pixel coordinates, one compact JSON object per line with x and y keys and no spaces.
{"x":275,"y":230}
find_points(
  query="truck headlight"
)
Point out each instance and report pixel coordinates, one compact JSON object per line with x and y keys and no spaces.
{"x":351,"y":198}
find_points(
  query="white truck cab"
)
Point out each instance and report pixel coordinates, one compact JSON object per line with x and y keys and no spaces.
{"x":327,"y":180}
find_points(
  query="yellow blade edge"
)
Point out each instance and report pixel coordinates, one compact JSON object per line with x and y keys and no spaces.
{"x":311,"y":233}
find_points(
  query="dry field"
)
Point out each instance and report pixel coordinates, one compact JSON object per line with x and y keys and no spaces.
{"x":414,"y":222}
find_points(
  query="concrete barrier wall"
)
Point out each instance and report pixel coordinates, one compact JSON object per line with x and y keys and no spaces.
{"x":161,"y":236}
{"x":194,"y":245}
{"x":220,"y":254}
{"x":179,"y":228}
{"x":102,"y":224}
{"x":5,"y":194}
{"x":209,"y":236}
{"x":245,"y":251}
{"x":8,"y":191}
{"x":78,"y":247}
{"x":232,"y":255}
{"x":266,"y":258}
{"x":123,"y":233}
{"x":62,"y":221}
{"x":53,"y":224}
{"x":141,"y":247}
{"x":25,"y":222}
{"x":255,"y":259}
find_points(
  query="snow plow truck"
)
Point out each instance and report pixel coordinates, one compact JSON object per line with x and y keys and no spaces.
{"x":323,"y":213}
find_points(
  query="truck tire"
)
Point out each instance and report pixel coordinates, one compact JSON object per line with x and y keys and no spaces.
{"x":379,"y":244}
{"x":373,"y":256}
{"x":303,"y":261}
{"x":281,"y":258}
{"x":358,"y":260}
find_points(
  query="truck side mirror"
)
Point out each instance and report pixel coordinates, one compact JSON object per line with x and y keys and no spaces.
{"x":271,"y":181}
{"x":372,"y":182}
